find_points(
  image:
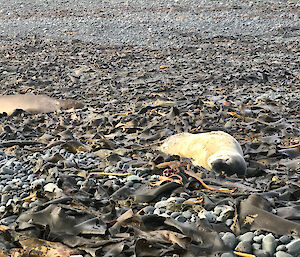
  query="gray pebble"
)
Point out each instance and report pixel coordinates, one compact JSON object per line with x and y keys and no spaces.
{"x":284,"y":239}
{"x":161,"y":204}
{"x":176,"y":199}
{"x":229,"y":240}
{"x":159,"y":211}
{"x":7,"y":188}
{"x":37,"y":182}
{"x":229,"y":222}
{"x":228,"y":255}
{"x":187,"y":214}
{"x":175,"y":214}
{"x":7,"y":171}
{"x":261,"y":253}
{"x":256,"y":246}
{"x":180,"y":218}
{"x":5,"y":176}
{"x":25,"y":205}
{"x":247,"y":237}
{"x":244,"y":246}
{"x":210,"y":216}
{"x":269,"y":244}
{"x":8,"y":220}
{"x":281,"y":248}
{"x":282,"y":254}
{"x":134,"y":178}
{"x":5,"y":198}
{"x":258,"y":239}
{"x":2,"y":208}
{"x":294,"y":247}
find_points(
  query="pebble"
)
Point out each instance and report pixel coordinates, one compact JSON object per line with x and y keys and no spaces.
{"x":7,"y":188}
{"x":187,"y":214}
{"x":175,"y":214}
{"x":5,"y":198}
{"x":247,"y":237}
{"x":269,"y":244}
{"x":258,"y":239}
{"x":161,"y":204}
{"x":256,"y":246}
{"x":228,"y":255}
{"x":176,"y":199}
{"x":159,"y":211}
{"x":181,"y":218}
{"x":294,"y":247}
{"x":210,"y":216}
{"x":284,"y":239}
{"x":261,"y":253}
{"x":134,"y":178}
{"x":7,"y":171}
{"x":8,"y":220}
{"x":2,"y":208}
{"x":244,"y":246}
{"x":283,"y":254}
{"x":281,"y":248}
{"x":229,"y":222}
{"x":230,"y":240}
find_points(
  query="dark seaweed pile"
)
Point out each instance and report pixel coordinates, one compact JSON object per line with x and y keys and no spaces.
{"x":134,"y":98}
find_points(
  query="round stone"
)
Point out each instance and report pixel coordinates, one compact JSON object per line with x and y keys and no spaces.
{"x":247,"y":237}
{"x":284,"y":239}
{"x":180,"y":218}
{"x":281,"y":248}
{"x":256,"y":246}
{"x":228,"y":255}
{"x":258,"y":239}
{"x":261,"y":253}
{"x":149,"y":209}
{"x":244,"y":246}
{"x":161,"y":204}
{"x":176,"y":199}
{"x":159,"y":211}
{"x":134,"y":178}
{"x":7,"y":171}
{"x":229,"y":240}
{"x":282,"y":254}
{"x":269,"y":244}
{"x":294,"y":247}
{"x":187,"y":214}
{"x":175,"y":214}
{"x":229,"y":222}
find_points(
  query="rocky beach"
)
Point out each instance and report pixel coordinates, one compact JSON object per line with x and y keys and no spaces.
{"x":90,"y":181}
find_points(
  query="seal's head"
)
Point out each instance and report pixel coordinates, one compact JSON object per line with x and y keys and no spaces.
{"x":228,"y":162}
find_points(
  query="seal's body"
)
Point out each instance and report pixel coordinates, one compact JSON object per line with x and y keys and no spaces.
{"x":217,"y":151}
{"x":34,"y":103}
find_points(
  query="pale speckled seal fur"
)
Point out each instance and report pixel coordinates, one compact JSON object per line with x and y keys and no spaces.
{"x":35,"y":103}
{"x":217,"y":151}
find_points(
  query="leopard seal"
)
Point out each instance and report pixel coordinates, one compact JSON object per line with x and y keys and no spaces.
{"x":35,"y":103}
{"x":216,"y":150}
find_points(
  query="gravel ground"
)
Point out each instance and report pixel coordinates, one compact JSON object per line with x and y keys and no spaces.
{"x":146,"y":71}
{"x":150,"y":23}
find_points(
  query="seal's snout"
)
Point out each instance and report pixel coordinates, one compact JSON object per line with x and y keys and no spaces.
{"x":233,"y":164}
